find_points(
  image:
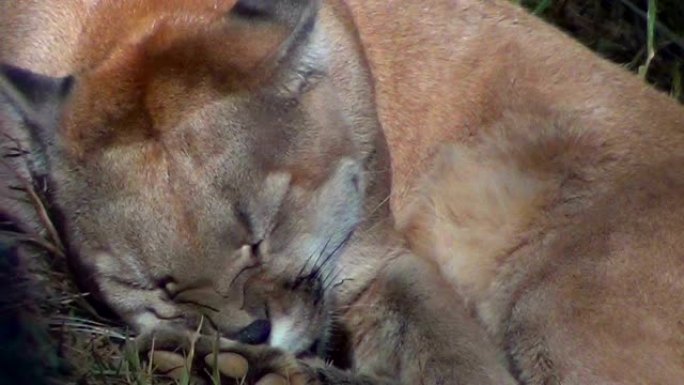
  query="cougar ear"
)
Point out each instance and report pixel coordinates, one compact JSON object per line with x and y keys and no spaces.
{"x":291,"y":19}
{"x":38,"y":99}
{"x":286,"y":12}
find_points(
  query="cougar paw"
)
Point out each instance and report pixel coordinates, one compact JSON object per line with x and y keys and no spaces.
{"x":169,"y":364}
{"x":180,"y":354}
{"x":231,"y":365}
{"x":260,"y":365}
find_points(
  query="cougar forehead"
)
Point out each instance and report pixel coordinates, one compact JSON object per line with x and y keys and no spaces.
{"x":209,"y":160}
{"x":205,"y":164}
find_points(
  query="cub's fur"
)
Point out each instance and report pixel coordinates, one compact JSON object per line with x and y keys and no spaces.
{"x":220,"y":164}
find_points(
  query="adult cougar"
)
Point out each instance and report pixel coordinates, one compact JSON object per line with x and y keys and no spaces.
{"x":543,"y":180}
{"x":515,"y":152}
{"x":220,"y":165}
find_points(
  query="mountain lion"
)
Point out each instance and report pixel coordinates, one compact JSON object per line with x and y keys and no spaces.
{"x":228,"y":166}
{"x":219,"y":166}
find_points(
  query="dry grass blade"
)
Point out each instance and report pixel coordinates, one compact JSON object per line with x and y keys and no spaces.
{"x":650,"y":29}
{"x":38,"y":203}
{"x":645,"y":35}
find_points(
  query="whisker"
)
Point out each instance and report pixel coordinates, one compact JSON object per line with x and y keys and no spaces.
{"x":313,"y":272}
{"x":300,"y":273}
{"x":341,"y":282}
{"x":382,"y":202}
{"x":316,"y":268}
{"x":369,"y":230}
{"x":330,"y":278}
{"x":336,"y":250}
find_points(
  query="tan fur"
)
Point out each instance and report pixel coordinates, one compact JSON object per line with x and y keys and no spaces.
{"x":543,"y":181}
{"x":151,"y":152}
{"x":219,"y":167}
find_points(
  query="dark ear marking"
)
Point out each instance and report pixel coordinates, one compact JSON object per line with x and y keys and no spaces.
{"x":295,"y":19}
{"x":254,"y":9}
{"x":27,"y":89}
{"x":288,"y":12}
{"x":36,"y":97}
{"x":295,"y":15}
{"x":36,"y":89}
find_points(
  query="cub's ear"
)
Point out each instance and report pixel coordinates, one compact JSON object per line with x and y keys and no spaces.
{"x":38,"y":99}
{"x":292,"y":20}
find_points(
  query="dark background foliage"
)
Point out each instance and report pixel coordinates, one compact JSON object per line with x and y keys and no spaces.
{"x":619,"y":31}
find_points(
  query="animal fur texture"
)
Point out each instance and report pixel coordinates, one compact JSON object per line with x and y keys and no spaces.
{"x":239,"y":168}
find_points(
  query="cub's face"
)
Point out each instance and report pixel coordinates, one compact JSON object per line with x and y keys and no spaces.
{"x":208,"y":170}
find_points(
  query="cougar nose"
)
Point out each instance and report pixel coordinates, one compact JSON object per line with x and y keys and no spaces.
{"x":255,"y":333}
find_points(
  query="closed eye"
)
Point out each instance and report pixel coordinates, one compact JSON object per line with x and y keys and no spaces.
{"x":255,"y":249}
{"x":244,"y":219}
{"x":246,"y":222}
